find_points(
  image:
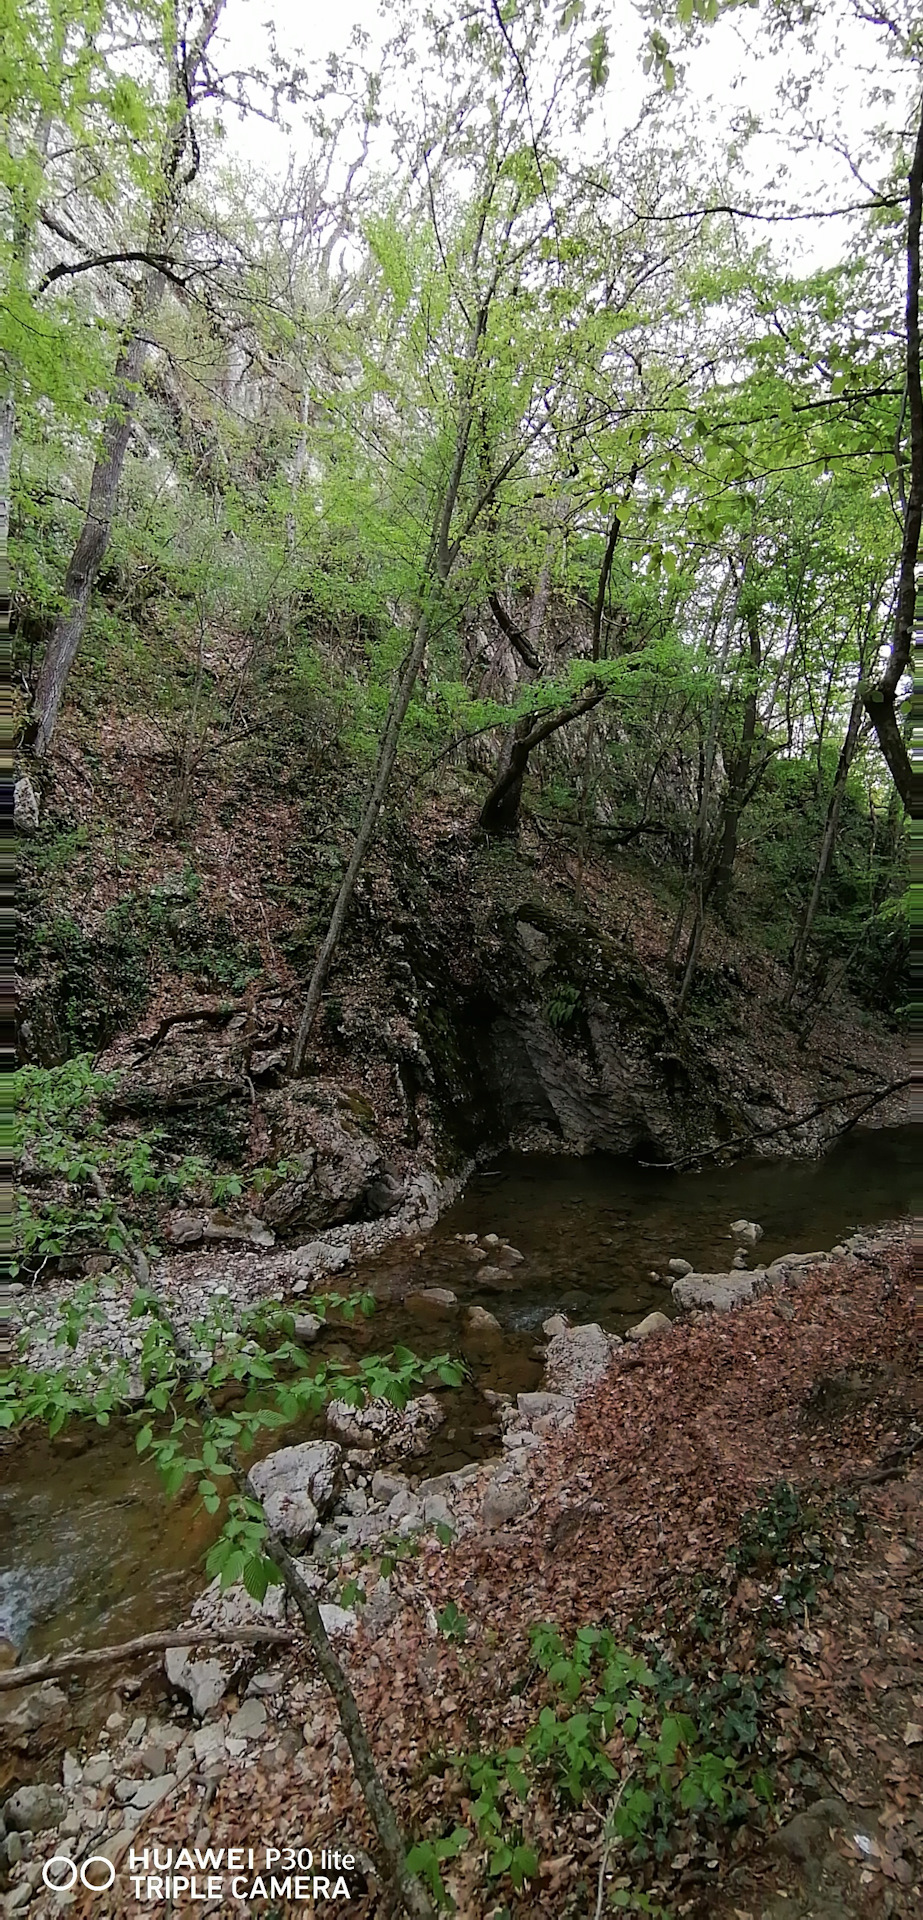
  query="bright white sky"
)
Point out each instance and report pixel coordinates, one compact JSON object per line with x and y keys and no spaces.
{"x":731,"y":76}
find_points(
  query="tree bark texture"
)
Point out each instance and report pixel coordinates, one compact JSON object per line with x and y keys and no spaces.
{"x":90,"y":551}
{"x":387,"y":754}
{"x":828,"y":842}
{"x":721,"y":879}
{"x":881,"y":694}
{"x":500,"y":812}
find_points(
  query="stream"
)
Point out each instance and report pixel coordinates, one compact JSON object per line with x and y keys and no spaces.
{"x":90,"y":1551}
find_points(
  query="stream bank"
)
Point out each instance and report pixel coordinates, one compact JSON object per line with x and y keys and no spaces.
{"x":817,"y":1381}
{"x":92,"y":1554}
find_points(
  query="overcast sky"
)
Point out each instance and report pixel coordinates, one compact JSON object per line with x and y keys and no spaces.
{"x":732,"y":75}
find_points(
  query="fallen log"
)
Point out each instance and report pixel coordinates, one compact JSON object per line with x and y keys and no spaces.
{"x":738,"y":1146}
{"x":55,"y":1663}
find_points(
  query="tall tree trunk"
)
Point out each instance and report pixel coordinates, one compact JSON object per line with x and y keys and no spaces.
{"x":881,"y":695}
{"x":828,"y":842}
{"x":187,"y":55}
{"x":387,"y":754}
{"x":718,"y":886}
{"x":90,"y":551}
{"x":699,"y":847}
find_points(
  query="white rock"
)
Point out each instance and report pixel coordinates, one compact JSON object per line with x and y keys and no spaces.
{"x":208,"y":1744}
{"x":720,"y":1291}
{"x":205,"y":1681}
{"x":478,"y":1320}
{"x":747,"y":1230}
{"x":150,"y":1790}
{"x":652,"y":1323}
{"x":578,"y":1358}
{"x":338,"y":1621}
{"x":298,"y":1485}
{"x":25,"y":807}
{"x":535,"y":1406}
{"x":266,"y":1684}
{"x":249,"y":1722}
{"x":31,"y":1809}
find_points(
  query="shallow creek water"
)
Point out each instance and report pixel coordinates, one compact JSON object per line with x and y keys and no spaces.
{"x":89,"y":1550}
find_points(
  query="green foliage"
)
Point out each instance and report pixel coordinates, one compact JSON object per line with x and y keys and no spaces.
{"x":100,"y":981}
{"x":452,"y":1623}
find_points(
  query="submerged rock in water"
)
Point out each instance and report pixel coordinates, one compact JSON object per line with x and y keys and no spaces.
{"x":478,"y":1320}
{"x":747,"y":1230}
{"x":430,"y":1297}
{"x":680,"y":1268}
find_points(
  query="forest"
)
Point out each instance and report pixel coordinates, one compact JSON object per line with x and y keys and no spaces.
{"x":461,"y":489}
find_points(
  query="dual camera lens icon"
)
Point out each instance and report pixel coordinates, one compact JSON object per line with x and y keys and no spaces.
{"x":60,"y":1873}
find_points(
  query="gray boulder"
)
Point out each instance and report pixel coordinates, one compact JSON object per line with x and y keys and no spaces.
{"x":720,"y":1291}
{"x":537,"y":1406}
{"x":205,"y":1682}
{"x":25,"y":808}
{"x":579,"y":1357}
{"x":429,"y":1298}
{"x":680,"y":1268}
{"x":298,"y":1487}
{"x":478,"y":1320}
{"x":32,"y":1809}
{"x":747,"y":1230}
{"x":505,"y":1500}
{"x":40,"y":1708}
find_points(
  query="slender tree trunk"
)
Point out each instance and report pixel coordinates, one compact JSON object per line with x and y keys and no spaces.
{"x":174,"y":177}
{"x":7,"y":432}
{"x":90,"y":551}
{"x":718,"y":886}
{"x":699,"y":854}
{"x":387,"y":754}
{"x":828,"y":842}
{"x":881,"y":695}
